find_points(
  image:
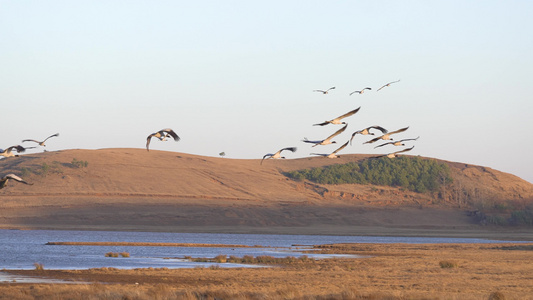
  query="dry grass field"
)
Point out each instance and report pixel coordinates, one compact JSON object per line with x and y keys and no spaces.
{"x":390,"y":271}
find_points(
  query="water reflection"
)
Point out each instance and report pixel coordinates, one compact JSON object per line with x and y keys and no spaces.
{"x":21,"y":249}
{"x":5,"y":278}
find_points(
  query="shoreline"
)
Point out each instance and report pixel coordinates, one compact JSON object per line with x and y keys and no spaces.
{"x":487,"y":233}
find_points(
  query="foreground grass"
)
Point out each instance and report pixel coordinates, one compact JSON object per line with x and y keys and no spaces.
{"x":394,"y":271}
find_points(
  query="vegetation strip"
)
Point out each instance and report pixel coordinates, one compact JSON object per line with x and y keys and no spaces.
{"x":249,"y":259}
{"x":150,"y":244}
{"x":413,"y":173}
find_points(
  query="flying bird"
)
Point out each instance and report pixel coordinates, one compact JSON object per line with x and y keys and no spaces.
{"x":361,"y":91}
{"x":334,"y":153}
{"x":386,"y":136}
{"x":395,"y":154}
{"x":338,"y":119}
{"x":326,"y":91}
{"x":162,"y":135}
{"x":5,"y":179}
{"x":327,"y":140}
{"x":41,"y":143}
{"x":278,"y":154}
{"x":397,"y":143}
{"x":388,"y":84}
{"x":9,"y":151}
{"x":366,"y":131}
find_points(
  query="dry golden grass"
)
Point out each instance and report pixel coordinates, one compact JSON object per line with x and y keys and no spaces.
{"x":393,"y":271}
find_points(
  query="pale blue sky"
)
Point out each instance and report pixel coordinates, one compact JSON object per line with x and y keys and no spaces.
{"x":238,"y":76}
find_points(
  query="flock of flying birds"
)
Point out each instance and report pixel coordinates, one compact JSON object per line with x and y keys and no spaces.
{"x":167,"y":134}
{"x":162,"y":135}
{"x":385,"y":134}
{"x":9,"y":152}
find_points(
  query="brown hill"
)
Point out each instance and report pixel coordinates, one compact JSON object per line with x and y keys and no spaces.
{"x":132,"y":189}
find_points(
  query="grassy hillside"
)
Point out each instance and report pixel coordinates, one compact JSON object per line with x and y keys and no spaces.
{"x":134,"y":189}
{"x":432,"y":177}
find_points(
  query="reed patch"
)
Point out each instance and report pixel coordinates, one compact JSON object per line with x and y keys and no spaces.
{"x":38,"y":266}
{"x":248,"y":259}
{"x":448,"y":264}
{"x":116,"y":254}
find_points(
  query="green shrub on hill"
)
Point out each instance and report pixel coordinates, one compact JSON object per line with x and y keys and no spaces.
{"x":522,"y":217}
{"x":412,"y":173}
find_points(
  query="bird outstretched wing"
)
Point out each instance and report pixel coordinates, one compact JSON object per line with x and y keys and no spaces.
{"x":400,"y":130}
{"x":322,"y":124}
{"x":171,"y":133}
{"x":18,"y":148}
{"x":16,"y":178}
{"x":383,"y":144}
{"x":53,"y":135}
{"x":3,"y":180}
{"x":373,"y":140}
{"x":148,"y":139}
{"x":305,"y":140}
{"x":266,"y":155}
{"x":410,"y":139}
{"x":383,"y":130}
{"x":292,"y":149}
{"x":388,"y":84}
{"x":31,"y":141}
{"x":350,"y":113}
{"x":338,"y":132}
{"x":404,"y":150}
{"x":341,"y":147}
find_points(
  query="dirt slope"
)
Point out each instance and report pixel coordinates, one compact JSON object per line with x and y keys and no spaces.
{"x":133,"y":189}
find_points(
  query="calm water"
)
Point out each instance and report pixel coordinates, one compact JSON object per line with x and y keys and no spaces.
{"x":21,"y":249}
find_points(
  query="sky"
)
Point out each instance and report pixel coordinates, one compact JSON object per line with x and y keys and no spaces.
{"x":238,"y":76}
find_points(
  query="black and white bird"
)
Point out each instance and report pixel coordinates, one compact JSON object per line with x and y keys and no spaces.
{"x":388,"y":84}
{"x":278,"y":154}
{"x":9,"y":151}
{"x":361,"y":91}
{"x":162,"y":135}
{"x":325,"y":91}
{"x":327,"y":140}
{"x":334,"y":153}
{"x":397,"y":143}
{"x":5,"y":179}
{"x":337,"y":120}
{"x":395,"y":154}
{"x":366,"y":131}
{"x":386,"y":136}
{"x":42,"y":143}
